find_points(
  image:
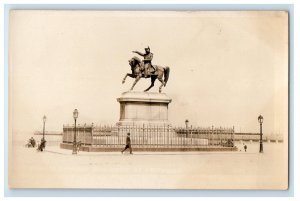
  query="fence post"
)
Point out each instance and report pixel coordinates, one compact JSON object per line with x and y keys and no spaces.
{"x":66,"y":134}
{"x":70,"y":135}
{"x":147,"y":136}
{"x":178,"y":139}
{"x":137,"y":135}
{"x":77,"y":133}
{"x":192,"y":137}
{"x":164,"y":136}
{"x":212,"y":135}
{"x":233,"y":136}
{"x":156,"y":129}
{"x":181,"y":140}
{"x":62,"y":139}
{"x":112,"y":137}
{"x":143,"y":133}
{"x":84,"y":134}
{"x":92,"y":134}
{"x":168,"y":140}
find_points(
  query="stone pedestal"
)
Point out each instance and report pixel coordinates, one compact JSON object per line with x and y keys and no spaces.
{"x":148,"y":108}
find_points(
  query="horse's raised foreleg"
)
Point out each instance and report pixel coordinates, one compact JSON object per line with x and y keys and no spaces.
{"x":128,"y":74}
{"x":123,"y":81}
{"x":153,"y":78}
{"x":135,"y":81}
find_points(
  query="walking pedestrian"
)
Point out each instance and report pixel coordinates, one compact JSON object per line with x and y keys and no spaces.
{"x":245,"y":148}
{"x":128,"y":144}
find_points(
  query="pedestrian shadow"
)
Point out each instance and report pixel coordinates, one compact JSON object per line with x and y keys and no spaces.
{"x":55,"y":152}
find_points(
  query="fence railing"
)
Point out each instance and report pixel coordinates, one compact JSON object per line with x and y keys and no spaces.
{"x":146,"y":136}
{"x":215,"y":136}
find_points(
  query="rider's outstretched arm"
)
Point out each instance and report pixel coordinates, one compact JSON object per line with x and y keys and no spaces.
{"x":139,"y":53}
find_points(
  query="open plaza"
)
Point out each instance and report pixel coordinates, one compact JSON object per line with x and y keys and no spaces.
{"x":57,"y":168}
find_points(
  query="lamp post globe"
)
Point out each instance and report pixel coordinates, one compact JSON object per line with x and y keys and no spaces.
{"x":260,"y":120}
{"x":75,"y":116}
{"x":186,"y":123}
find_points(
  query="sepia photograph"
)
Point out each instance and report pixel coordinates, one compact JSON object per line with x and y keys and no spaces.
{"x":148,"y":99}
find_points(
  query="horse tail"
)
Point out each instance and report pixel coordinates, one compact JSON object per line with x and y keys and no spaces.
{"x":166,"y":74}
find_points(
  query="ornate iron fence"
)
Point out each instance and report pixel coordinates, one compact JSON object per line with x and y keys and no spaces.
{"x":149,"y":136}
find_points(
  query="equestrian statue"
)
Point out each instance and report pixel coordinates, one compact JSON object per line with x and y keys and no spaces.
{"x":145,"y":69}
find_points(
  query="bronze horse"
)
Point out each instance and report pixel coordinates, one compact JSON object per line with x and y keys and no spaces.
{"x":137,"y":70}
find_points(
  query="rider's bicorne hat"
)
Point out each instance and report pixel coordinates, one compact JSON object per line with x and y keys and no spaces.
{"x":147,"y":48}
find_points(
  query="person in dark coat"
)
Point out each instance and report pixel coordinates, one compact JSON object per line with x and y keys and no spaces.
{"x":128,"y":144}
{"x":245,"y":148}
{"x":32,"y":142}
{"x":42,"y":146}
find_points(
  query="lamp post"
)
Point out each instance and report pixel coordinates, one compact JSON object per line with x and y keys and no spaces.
{"x":186,"y":126}
{"x":260,"y":120}
{"x":75,"y":116}
{"x":44,"y":121}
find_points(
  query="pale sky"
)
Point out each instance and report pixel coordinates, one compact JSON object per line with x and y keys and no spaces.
{"x":227,"y":68}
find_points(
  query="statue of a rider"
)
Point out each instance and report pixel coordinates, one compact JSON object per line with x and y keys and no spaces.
{"x":148,"y":56}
